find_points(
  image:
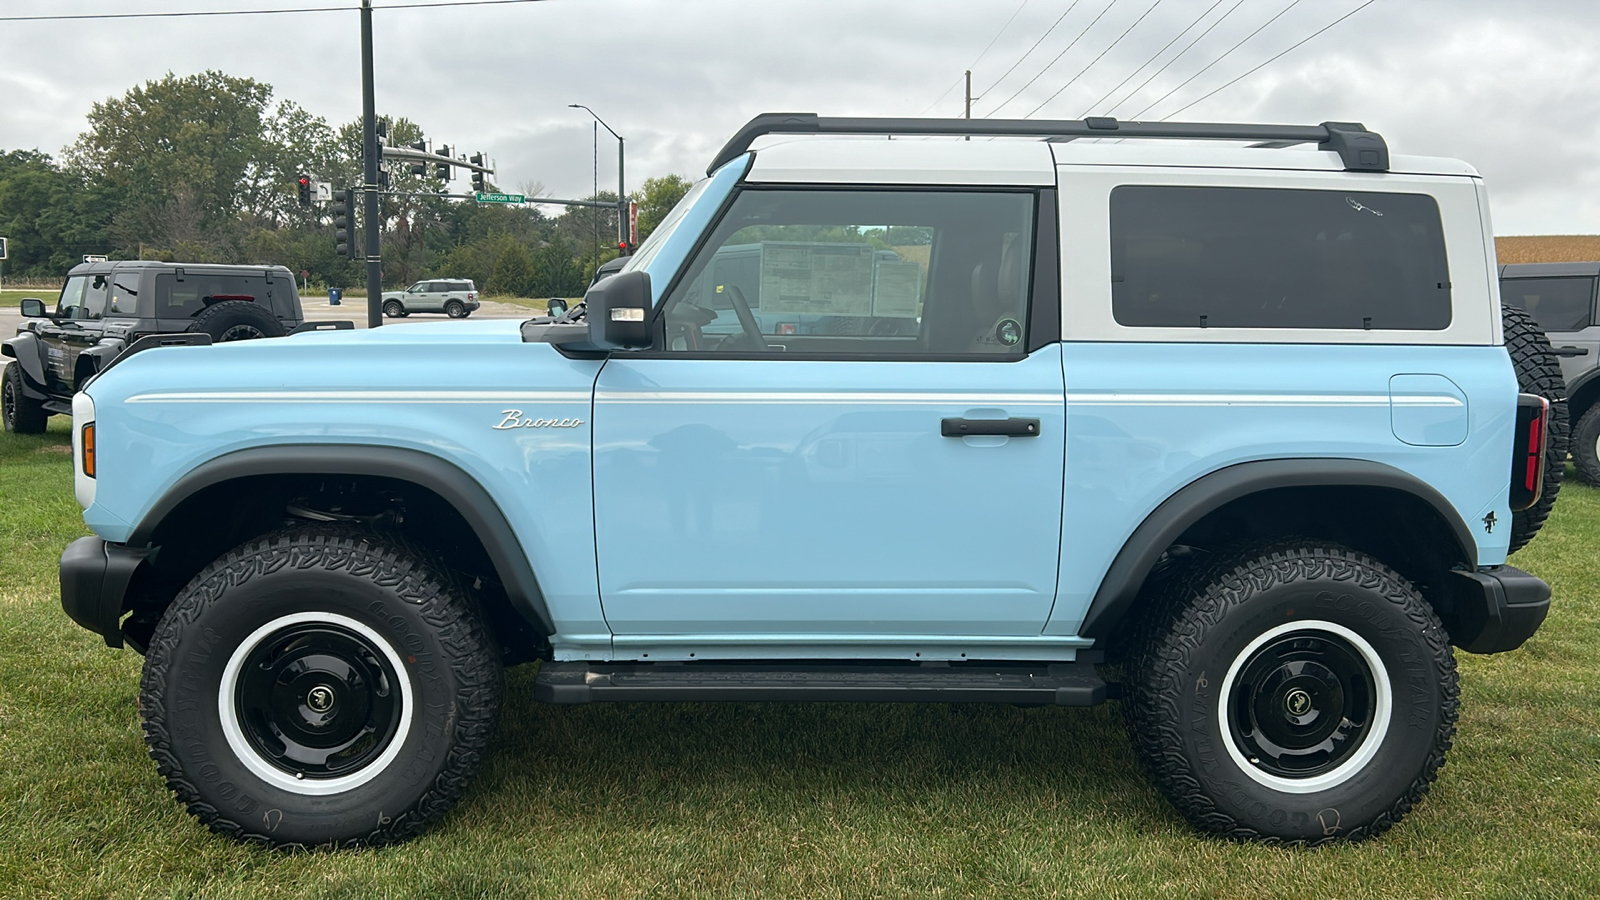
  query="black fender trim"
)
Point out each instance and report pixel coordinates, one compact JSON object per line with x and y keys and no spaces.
{"x":482,"y":514}
{"x":1210,"y":492}
{"x":25,"y":349}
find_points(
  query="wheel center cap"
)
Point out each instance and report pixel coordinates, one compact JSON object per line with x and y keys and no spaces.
{"x":320,"y":698}
{"x":1297,"y":702}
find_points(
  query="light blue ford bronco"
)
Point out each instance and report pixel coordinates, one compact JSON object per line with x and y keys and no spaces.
{"x":1230,"y":434}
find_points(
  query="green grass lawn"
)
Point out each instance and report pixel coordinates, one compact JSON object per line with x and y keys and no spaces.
{"x":824,"y":800}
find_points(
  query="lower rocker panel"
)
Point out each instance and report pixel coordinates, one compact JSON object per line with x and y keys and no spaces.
{"x":1058,"y":684}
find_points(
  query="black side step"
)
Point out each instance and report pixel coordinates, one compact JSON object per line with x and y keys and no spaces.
{"x":1058,"y":684}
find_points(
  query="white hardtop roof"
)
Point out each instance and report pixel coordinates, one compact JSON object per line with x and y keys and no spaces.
{"x":1008,"y":161}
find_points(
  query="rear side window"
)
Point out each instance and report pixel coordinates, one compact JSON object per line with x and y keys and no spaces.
{"x":1270,"y":258}
{"x":177,"y":299}
{"x":1556,"y":304}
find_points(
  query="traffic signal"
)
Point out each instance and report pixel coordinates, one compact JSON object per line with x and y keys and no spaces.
{"x":419,"y":169}
{"x":624,"y":248}
{"x":343,"y":202}
{"x":382,"y":128}
{"x":478,"y":182}
{"x":383,"y":179}
{"x":441,"y":171}
{"x":304,"y":184}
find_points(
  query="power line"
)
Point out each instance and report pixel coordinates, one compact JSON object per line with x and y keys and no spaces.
{"x":1095,"y":60}
{"x":1029,"y":52}
{"x":1055,"y":60}
{"x":256,"y":12}
{"x":1224,"y":56}
{"x":1153,"y":58}
{"x":1164,"y":66}
{"x":980,"y":56}
{"x":1263,"y":65}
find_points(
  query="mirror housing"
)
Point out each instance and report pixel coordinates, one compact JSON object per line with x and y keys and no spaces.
{"x":555,"y":306}
{"x":619,"y":312}
{"x":33,"y":308}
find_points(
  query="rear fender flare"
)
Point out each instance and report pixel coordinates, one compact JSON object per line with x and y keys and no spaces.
{"x":1211,"y":492}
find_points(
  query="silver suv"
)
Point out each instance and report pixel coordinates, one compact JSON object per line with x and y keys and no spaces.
{"x":455,"y":297}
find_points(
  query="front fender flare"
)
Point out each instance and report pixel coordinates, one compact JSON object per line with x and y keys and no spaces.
{"x":482,"y":514}
{"x":1210,"y":492}
{"x":29,"y":354}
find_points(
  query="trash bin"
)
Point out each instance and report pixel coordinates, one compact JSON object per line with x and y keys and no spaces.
{"x":333,"y":296}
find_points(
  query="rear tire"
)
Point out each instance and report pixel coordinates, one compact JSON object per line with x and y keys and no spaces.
{"x":18,"y":413}
{"x":319,"y":687}
{"x":1295,"y":693}
{"x":236,"y":320}
{"x":455,"y":309}
{"x":1538,"y":372}
{"x":1585,"y":446}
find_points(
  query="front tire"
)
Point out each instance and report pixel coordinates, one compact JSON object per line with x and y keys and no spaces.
{"x":1585,"y":446}
{"x":18,"y":414}
{"x":1293,"y":693}
{"x":319,"y":687}
{"x":393,"y":309}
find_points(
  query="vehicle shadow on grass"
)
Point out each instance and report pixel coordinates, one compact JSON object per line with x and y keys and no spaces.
{"x":633,"y":760}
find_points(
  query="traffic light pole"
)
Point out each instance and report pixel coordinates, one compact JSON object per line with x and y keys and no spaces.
{"x":370,"y":159}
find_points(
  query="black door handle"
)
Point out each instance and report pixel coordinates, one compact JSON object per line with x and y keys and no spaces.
{"x":1572,"y":351}
{"x":1007,"y":427}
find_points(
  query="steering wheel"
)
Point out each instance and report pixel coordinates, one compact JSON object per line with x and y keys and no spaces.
{"x":747,"y":320}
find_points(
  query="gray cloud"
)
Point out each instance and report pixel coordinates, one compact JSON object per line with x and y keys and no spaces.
{"x":1505,"y":87}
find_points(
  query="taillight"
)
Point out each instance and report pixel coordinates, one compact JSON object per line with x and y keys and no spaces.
{"x":1527,"y":454}
{"x":88,"y":449}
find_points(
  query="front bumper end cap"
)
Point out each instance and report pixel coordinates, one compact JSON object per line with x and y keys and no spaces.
{"x":94,"y":580}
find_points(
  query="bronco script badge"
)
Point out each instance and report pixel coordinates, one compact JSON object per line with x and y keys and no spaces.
{"x":514,"y":419}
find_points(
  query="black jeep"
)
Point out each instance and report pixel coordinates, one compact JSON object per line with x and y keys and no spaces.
{"x":106,"y":306}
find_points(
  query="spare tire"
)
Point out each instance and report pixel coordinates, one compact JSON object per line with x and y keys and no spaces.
{"x":1538,"y":372}
{"x":236,"y":320}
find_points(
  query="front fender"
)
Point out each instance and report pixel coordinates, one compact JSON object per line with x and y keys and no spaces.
{"x":29,"y":354}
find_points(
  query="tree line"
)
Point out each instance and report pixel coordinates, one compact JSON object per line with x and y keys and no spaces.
{"x":203,"y":168}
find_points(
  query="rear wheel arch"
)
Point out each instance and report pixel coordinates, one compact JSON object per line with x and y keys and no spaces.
{"x":243,"y":495}
{"x":1250,"y":501}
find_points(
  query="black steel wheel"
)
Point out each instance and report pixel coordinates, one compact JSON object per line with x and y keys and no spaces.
{"x":236,"y":320}
{"x":1291,"y":692}
{"x":319,"y":687}
{"x":18,"y":413}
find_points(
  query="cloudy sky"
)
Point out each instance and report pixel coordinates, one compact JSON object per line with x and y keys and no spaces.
{"x":1511,"y":87}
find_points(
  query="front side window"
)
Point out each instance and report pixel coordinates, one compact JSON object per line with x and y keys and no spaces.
{"x":71,"y":297}
{"x":1556,"y":304}
{"x":860,"y":273}
{"x":1216,"y":257}
{"x":94,"y":298}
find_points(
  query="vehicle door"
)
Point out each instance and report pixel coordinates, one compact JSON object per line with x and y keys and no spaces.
{"x":1564,"y":308}
{"x":76,"y":328}
{"x":899,"y":476}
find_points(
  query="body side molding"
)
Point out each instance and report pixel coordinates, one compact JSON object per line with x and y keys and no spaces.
{"x":1211,"y":492}
{"x":482,"y":514}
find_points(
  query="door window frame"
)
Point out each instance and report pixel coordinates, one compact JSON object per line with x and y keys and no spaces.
{"x":1041,"y":315}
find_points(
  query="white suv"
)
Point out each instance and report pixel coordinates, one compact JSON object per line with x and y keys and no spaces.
{"x":455,"y":297}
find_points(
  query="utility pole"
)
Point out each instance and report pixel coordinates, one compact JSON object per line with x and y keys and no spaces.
{"x":370,"y":159}
{"x":969,"y":99}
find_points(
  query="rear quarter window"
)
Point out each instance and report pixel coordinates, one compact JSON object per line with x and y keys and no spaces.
{"x":1224,"y":257}
{"x":1556,"y":304}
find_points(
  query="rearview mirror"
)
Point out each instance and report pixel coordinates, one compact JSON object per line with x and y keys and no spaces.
{"x":619,"y":311}
{"x":555,"y":306}
{"x":33,"y":308}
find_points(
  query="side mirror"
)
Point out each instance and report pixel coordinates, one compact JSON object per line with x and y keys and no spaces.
{"x":555,"y":306}
{"x":33,"y":308}
{"x":619,"y":311}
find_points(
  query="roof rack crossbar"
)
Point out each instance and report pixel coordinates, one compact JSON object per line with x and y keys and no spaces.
{"x":1360,"y":150}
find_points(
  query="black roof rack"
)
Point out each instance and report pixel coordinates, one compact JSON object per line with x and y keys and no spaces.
{"x":1360,"y":149}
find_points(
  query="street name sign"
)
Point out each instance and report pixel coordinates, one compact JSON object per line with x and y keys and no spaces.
{"x":500,"y":198}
